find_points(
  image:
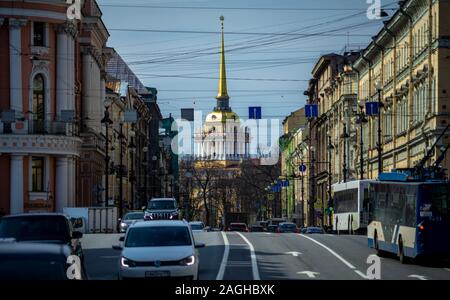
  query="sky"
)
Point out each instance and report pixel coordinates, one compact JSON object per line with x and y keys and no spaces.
{"x":271,"y":47}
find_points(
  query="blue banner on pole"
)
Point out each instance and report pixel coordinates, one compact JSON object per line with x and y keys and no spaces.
{"x":311,"y":110}
{"x":254,"y":112}
{"x":302,"y":168}
{"x":372,"y":108}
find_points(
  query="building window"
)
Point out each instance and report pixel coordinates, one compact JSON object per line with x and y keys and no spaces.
{"x":38,"y":98}
{"x":37,"y":174}
{"x":39,"y":34}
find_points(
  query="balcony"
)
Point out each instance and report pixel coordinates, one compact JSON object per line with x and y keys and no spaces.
{"x":39,"y":137}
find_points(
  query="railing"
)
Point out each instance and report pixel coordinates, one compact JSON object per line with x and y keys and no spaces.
{"x":41,"y":127}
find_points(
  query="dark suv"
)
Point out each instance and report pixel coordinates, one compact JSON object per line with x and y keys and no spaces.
{"x":51,"y":228}
{"x":162,"y":209}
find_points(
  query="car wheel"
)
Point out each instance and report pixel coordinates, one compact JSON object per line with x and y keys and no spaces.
{"x":377,"y":246}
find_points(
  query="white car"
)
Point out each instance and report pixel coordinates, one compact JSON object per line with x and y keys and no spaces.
{"x":159,"y":249}
{"x":197,"y":226}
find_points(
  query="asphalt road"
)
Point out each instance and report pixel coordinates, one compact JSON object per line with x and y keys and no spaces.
{"x":273,"y":256}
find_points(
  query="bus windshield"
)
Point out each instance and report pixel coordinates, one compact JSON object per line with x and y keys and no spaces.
{"x":440,"y":200}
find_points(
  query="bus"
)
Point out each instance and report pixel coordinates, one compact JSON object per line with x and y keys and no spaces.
{"x":351,"y":206}
{"x":409,"y":219}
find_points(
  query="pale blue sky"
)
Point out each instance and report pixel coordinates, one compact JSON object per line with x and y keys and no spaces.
{"x":152,"y":54}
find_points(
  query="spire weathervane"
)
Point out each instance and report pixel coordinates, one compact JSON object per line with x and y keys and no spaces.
{"x":223,"y":94}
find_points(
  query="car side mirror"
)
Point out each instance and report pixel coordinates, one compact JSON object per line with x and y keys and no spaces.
{"x":77,"y":235}
{"x":121,"y":239}
{"x":117,"y":247}
{"x":119,"y":220}
{"x":200,"y":245}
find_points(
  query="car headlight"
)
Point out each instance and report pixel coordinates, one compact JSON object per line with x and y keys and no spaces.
{"x":125,"y":262}
{"x":123,"y":225}
{"x":188,"y":261}
{"x":173,"y":215}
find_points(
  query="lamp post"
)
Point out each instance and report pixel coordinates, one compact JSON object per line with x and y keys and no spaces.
{"x":361,"y":121}
{"x":121,"y":137}
{"x":379,"y":88}
{"x":344,"y":136}
{"x":145,"y":151}
{"x":313,"y":187}
{"x":107,"y":121}
{"x":302,"y":177}
{"x":132,"y":177}
{"x":330,"y":199}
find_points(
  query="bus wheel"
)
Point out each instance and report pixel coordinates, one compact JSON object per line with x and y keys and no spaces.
{"x":376,"y":246}
{"x":401,"y":253}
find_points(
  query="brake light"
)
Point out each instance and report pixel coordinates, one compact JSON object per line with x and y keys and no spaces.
{"x":421,"y":227}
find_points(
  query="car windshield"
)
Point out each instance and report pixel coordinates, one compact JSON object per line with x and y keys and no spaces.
{"x":161,"y":204}
{"x":20,"y":268}
{"x":196,"y":226}
{"x":35,"y":228}
{"x":158,"y":236}
{"x":134,"y":216}
{"x":288,"y":226}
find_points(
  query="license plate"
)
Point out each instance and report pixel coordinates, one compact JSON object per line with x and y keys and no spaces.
{"x":157,"y":274}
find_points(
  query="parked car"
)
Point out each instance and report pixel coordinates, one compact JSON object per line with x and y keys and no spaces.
{"x":242,"y":227}
{"x":162,"y":209}
{"x":256,"y":228}
{"x":287,"y":227}
{"x":197,"y":226}
{"x":130,"y":218}
{"x":36,"y":261}
{"x":312,"y":230}
{"x":43,"y":228}
{"x":272,"y":228}
{"x":264,"y":224}
{"x":159,"y":249}
{"x":303,"y":230}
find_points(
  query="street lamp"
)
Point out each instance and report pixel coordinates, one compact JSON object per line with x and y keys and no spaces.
{"x":121,"y":137}
{"x":330,"y":199}
{"x":345,"y":136}
{"x":361,"y":121}
{"x":379,"y":88}
{"x":107,"y":121}
{"x":132,"y":148}
{"x":313,"y":186}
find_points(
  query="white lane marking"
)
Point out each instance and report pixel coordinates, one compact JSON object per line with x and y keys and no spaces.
{"x":331,"y":251}
{"x":361,"y":274}
{"x":253,"y":257}
{"x":268,"y":233}
{"x":420,"y":277}
{"x":330,"y":234}
{"x":309,"y":274}
{"x":447,"y":269}
{"x":293,"y":253}
{"x":226,"y":252}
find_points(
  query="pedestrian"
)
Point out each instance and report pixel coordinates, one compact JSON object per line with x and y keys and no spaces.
{"x":337,"y":225}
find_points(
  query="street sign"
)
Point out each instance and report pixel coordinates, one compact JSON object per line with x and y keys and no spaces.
{"x":372,"y":108}
{"x":130,"y":116}
{"x":311,"y":110}
{"x":187,"y":114}
{"x":254,"y":112}
{"x":302,"y":168}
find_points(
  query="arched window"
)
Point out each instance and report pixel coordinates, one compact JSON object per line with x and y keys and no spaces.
{"x":38,"y":98}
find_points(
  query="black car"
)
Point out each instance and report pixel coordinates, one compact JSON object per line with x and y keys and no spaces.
{"x":52,"y":228}
{"x":256,"y":228}
{"x":38,"y":261}
{"x":287,"y":227}
{"x":162,"y":209}
{"x":272,"y":228}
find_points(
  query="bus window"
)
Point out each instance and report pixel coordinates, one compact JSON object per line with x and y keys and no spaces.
{"x":440,"y":200}
{"x":410,"y":210}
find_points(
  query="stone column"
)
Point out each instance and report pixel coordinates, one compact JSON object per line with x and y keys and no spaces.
{"x":62,"y":179}
{"x":71,"y":182}
{"x":62,"y":69}
{"x":16,"y":182}
{"x":15,"y":63}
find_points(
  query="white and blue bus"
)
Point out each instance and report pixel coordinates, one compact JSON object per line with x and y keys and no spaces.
{"x":350,"y":206}
{"x":410,"y":219}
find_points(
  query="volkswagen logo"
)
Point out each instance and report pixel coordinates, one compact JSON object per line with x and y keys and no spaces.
{"x":157,"y":264}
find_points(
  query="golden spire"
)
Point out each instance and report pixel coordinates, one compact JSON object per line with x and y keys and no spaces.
{"x":223,"y":94}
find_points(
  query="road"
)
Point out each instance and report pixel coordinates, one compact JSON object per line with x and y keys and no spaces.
{"x":273,"y":256}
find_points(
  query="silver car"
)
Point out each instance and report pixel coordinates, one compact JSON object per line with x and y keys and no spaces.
{"x":159,"y":249}
{"x":130,"y":218}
